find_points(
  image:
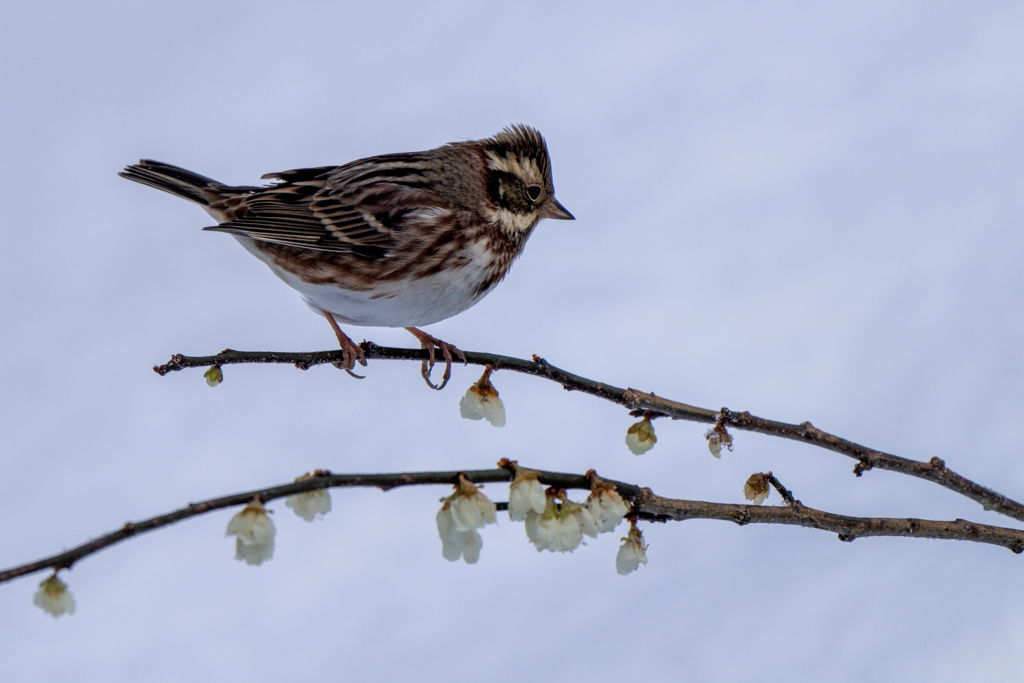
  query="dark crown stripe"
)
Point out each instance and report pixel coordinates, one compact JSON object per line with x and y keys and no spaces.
{"x":524,"y":142}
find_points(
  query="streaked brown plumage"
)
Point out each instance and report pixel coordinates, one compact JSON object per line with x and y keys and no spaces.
{"x":398,"y":240}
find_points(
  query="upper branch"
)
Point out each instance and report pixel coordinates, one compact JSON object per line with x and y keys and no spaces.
{"x":934,"y":470}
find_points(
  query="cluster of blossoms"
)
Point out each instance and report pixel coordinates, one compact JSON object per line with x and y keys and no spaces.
{"x":560,"y":527}
{"x":553,"y":522}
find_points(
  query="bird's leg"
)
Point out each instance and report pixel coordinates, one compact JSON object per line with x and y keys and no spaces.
{"x":429,"y":343}
{"x":351,"y":351}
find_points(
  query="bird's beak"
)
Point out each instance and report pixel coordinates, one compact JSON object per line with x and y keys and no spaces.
{"x":556,"y":211}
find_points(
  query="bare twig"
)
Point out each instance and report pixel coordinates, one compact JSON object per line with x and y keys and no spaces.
{"x":786,"y":494}
{"x":934,"y":470}
{"x":646,"y":505}
{"x":848,"y":528}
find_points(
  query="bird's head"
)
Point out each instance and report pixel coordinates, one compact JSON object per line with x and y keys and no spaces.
{"x":519,"y":180}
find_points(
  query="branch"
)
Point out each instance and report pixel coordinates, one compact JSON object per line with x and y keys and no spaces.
{"x":646,"y":505}
{"x":934,"y":470}
{"x":848,"y":528}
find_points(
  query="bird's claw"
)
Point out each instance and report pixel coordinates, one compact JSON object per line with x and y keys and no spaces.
{"x":341,"y":366}
{"x":352,"y":354}
{"x":430,"y":342}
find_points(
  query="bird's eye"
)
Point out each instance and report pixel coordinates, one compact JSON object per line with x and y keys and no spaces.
{"x":534,"y":192}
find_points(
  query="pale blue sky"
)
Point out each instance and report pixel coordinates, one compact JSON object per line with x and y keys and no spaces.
{"x":808,"y":211}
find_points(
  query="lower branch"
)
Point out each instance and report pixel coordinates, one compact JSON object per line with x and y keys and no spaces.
{"x":645,"y":505}
{"x":848,"y":528}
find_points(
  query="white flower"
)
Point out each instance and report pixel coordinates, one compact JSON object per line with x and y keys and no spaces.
{"x":607,"y":507}
{"x":717,"y":439}
{"x":254,"y":554}
{"x":526,"y":494}
{"x":554,"y":533}
{"x":632,"y":552}
{"x":482,"y":402}
{"x":714,"y":445}
{"x":456,"y":543}
{"x":214,"y":376}
{"x":640,"y":437}
{"x":254,"y":532}
{"x":53,"y":597}
{"x":462,"y":514}
{"x":310,"y":505}
{"x":470,"y":508}
{"x":560,"y":531}
{"x":756,"y":488}
{"x":588,"y":524}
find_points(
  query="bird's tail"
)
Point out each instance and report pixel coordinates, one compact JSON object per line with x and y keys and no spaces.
{"x":178,"y":181}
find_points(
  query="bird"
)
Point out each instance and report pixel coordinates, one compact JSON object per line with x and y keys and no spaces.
{"x":396,"y":240}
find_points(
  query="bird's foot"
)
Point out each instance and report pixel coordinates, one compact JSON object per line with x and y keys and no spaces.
{"x":351,"y":352}
{"x":430,"y":342}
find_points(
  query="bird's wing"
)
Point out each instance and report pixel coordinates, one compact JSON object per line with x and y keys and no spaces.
{"x":356,"y":208}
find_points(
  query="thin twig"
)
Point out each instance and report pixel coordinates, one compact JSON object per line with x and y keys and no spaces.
{"x":786,"y":494}
{"x":646,"y":505}
{"x":934,"y":470}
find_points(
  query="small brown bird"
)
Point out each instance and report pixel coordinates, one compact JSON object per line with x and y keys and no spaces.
{"x":398,"y":240}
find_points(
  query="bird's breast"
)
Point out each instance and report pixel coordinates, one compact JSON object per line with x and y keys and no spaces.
{"x":403,"y":299}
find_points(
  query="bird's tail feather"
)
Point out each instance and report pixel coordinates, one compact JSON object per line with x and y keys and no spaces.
{"x":178,"y":181}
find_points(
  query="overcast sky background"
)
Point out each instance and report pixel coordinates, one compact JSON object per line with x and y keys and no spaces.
{"x":808,"y":211}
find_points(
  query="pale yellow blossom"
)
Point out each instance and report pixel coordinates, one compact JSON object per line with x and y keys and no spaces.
{"x":254,"y":532}
{"x":214,"y":376}
{"x":607,"y":507}
{"x":54,"y":598}
{"x":482,"y":402}
{"x":632,"y":552}
{"x":461,"y":514}
{"x":526,"y":494}
{"x":640,"y":437}
{"x":311,"y":504}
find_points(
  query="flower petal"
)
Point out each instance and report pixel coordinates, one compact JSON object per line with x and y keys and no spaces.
{"x":640,"y":437}
{"x":254,"y":553}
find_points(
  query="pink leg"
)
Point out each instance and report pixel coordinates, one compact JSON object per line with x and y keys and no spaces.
{"x":351,"y":351}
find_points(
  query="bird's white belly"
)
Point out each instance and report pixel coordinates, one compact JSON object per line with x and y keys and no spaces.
{"x":402,"y":303}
